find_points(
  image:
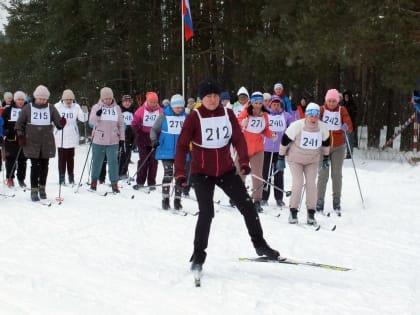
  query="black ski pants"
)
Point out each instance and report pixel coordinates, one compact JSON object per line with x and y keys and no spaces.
{"x":278,"y":178}
{"x":234,"y":188}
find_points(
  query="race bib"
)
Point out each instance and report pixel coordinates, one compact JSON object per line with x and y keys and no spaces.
{"x":14,"y":113}
{"x":332,"y":120}
{"x":215,"y":131}
{"x":255,"y":124}
{"x":277,"y":123}
{"x":175,"y":124}
{"x":40,"y":116}
{"x":128,"y":118}
{"x":69,"y":116}
{"x":109,"y":114}
{"x":310,"y":140}
{"x":149,"y":118}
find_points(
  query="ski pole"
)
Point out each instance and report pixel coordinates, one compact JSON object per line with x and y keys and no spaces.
{"x":142,"y":164}
{"x":287,"y":193}
{"x":354,"y":167}
{"x":84,"y":166}
{"x":269,"y":170}
{"x":60,"y":182}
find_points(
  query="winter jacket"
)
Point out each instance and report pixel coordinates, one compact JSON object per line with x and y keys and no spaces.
{"x":169,"y":126}
{"x":279,"y":121}
{"x":128,"y":115}
{"x":68,"y":137}
{"x":334,"y":123}
{"x":34,"y":123}
{"x":143,"y":121}
{"x":10,"y":116}
{"x":238,"y":107}
{"x":255,"y":130}
{"x":108,"y":128}
{"x":211,"y":140}
{"x":297,"y":150}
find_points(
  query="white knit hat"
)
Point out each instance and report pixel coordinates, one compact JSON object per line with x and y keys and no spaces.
{"x":106,"y":92}
{"x":7,"y":95}
{"x":278,"y":86}
{"x":41,"y":92}
{"x":68,"y":95}
{"x":312,"y":110}
{"x":19,"y":95}
{"x":177,"y":101}
{"x":242,"y":91}
{"x":267,"y":96}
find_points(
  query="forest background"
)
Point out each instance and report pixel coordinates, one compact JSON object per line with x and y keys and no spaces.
{"x":371,"y":48}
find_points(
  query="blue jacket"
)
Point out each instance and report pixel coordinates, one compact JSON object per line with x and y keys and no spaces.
{"x":167,"y":141}
{"x":1,"y":126}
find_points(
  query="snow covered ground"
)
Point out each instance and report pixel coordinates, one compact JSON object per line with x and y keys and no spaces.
{"x":112,"y":255}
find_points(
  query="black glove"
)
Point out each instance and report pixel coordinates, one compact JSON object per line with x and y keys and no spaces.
{"x":155,"y":144}
{"x":121,"y":143}
{"x":99,"y":112}
{"x":63,"y":122}
{"x":281,"y":164}
{"x":326,"y":162}
{"x":181,"y":181}
{"x":245,"y":170}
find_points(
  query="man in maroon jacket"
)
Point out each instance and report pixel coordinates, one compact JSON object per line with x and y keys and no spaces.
{"x":212,"y":129}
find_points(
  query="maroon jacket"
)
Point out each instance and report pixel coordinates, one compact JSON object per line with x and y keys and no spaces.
{"x":212,"y":162}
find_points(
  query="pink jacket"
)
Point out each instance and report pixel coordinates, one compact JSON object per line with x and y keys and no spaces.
{"x":143,"y":121}
{"x":106,"y":131}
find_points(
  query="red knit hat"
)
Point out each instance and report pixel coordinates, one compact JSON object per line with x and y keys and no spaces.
{"x":151,"y":97}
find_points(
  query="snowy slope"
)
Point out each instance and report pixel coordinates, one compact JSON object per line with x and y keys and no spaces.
{"x":111,"y":255}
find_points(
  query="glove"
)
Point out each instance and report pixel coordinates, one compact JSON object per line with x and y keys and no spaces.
{"x":63,"y":122}
{"x":99,"y":112}
{"x":281,"y":163}
{"x":155,"y":144}
{"x":325,"y":162}
{"x":344,"y":127}
{"x":21,"y":140}
{"x":121,"y":143}
{"x":181,"y":181}
{"x":245,"y":170}
{"x":1,"y":141}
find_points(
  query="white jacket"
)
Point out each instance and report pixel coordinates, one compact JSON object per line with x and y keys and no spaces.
{"x":69,"y":136}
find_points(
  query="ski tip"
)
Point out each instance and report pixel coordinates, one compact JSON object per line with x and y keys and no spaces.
{"x":333,"y":228}
{"x":317,"y":228}
{"x":132,"y":196}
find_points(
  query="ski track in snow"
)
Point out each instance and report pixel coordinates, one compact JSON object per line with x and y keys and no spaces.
{"x":110,"y":255}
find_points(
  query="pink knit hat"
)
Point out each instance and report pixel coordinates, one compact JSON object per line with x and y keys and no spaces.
{"x":151,"y":97}
{"x":332,"y":94}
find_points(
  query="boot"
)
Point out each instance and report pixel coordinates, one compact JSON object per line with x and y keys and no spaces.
{"x":34,"y":194}
{"x":115,"y":188}
{"x":320,"y":205}
{"x":197,"y":260}
{"x":10,"y":183}
{"x":165,"y":203}
{"x":22,"y":183}
{"x":177,"y":204}
{"x":257,"y":206}
{"x":61,"y":180}
{"x":337,"y":206}
{"x":71,"y":179}
{"x":93,"y":185}
{"x":293,"y":218}
{"x":267,"y":251}
{"x":311,"y":217}
{"x":42,"y":193}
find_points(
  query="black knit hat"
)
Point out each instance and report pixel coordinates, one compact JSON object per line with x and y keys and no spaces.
{"x":208,"y":87}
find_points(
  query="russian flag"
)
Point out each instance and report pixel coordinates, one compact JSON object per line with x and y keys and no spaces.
{"x":188,"y":26}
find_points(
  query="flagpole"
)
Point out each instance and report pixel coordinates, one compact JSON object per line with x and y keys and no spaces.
{"x":182,"y":54}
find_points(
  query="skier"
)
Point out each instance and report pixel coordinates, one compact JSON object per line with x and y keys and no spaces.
{"x":127,"y":109}
{"x":12,"y":148}
{"x":67,"y":139}
{"x":108,"y":135}
{"x":338,"y":122}
{"x":35,"y":135}
{"x":279,"y":121}
{"x":211,"y":129}
{"x":279,"y":91}
{"x":144,"y":118}
{"x":303,"y":142}
{"x":242,"y":102}
{"x":164,"y":136}
{"x":255,"y":126}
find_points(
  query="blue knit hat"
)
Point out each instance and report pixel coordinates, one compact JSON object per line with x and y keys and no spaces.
{"x":257,"y":97}
{"x":224,"y":96}
{"x":177,"y":101}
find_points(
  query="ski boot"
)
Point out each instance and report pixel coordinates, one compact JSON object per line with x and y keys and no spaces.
{"x":71,"y":179}
{"x":42,"y":193}
{"x":22,"y":184}
{"x":115,"y":189}
{"x":165,"y":203}
{"x":267,"y":251}
{"x":93,"y":186}
{"x":320,"y":205}
{"x":337,"y":206}
{"x":293,"y":218}
{"x":311,"y":217}
{"x":257,"y":206}
{"x":10,"y":183}
{"x":34,"y":194}
{"x":280,"y":203}
{"x":61,"y":180}
{"x":177,"y":204}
